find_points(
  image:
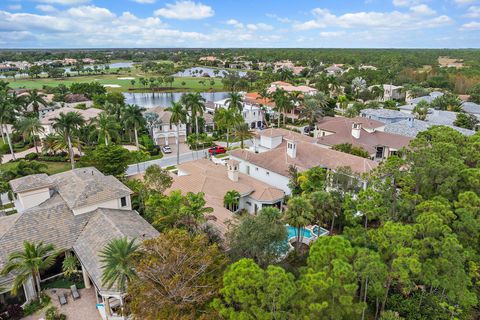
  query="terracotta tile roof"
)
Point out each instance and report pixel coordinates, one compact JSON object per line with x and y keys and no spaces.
{"x":368,"y":140}
{"x":211,"y":179}
{"x":254,"y":98}
{"x":87,"y":114}
{"x":163,"y":115}
{"x":286,"y":134}
{"x":308,"y":156}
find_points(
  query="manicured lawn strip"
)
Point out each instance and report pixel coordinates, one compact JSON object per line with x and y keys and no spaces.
{"x":52,"y":167}
{"x":191,"y":83}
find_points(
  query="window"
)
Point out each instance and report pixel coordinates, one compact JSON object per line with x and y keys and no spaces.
{"x":268,"y":173}
{"x":248,"y":170}
{"x":256,"y":169}
{"x":249,"y":203}
{"x":123,"y":201}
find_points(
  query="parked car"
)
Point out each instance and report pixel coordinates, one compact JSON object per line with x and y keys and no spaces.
{"x":216,"y":150}
{"x":166,"y":149}
{"x":308,"y":129}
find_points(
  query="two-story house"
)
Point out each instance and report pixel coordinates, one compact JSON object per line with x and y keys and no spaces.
{"x":165,"y":132}
{"x":79,"y":212}
{"x":252,"y":114}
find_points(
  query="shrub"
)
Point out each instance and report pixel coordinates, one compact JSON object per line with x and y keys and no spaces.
{"x":52,"y":314}
{"x":15,"y":312}
{"x":55,"y":158}
{"x":31,"y":156}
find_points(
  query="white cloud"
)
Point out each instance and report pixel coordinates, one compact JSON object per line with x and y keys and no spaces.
{"x":235,"y":23}
{"x":473,"y":12}
{"x":332,"y":34}
{"x":394,"y":20}
{"x":46,"y":8}
{"x":406,"y":3}
{"x":145,"y":1}
{"x":65,"y":2}
{"x":185,"y":10}
{"x":259,"y":26}
{"x":423,"y":9}
{"x":474,"y":25}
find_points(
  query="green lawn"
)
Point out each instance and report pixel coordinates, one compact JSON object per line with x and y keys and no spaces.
{"x":52,"y":167}
{"x":191,"y":83}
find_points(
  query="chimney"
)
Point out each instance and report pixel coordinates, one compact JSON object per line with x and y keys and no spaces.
{"x":292,"y":149}
{"x":410,"y":122}
{"x":356,"y":129}
{"x":232,"y":169}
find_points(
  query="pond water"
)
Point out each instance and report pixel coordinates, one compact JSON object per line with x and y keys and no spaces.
{"x":201,"y":71}
{"x":165,"y":99}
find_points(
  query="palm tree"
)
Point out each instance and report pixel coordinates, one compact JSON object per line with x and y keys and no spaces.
{"x":133,"y":118}
{"x":312,"y":111}
{"x":177,"y":117}
{"x":299,"y":214}
{"x":67,"y":124}
{"x":282,"y":103}
{"x":358,"y":85}
{"x":227,"y":119}
{"x":7,"y":113}
{"x":333,"y":84}
{"x":378,"y":92}
{"x":231,"y":200}
{"x":30,"y":128}
{"x":36,"y":99}
{"x":28,"y":263}
{"x":234,"y":101}
{"x":343,"y":102}
{"x":421,"y":110}
{"x":116,"y":259}
{"x":242,"y":131}
{"x":195,"y":105}
{"x":108,"y":128}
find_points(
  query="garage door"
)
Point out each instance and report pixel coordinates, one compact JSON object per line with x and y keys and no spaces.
{"x":172,"y":140}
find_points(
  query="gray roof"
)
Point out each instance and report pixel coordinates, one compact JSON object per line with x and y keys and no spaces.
{"x":441,"y":117}
{"x":86,"y":186}
{"x":103,"y":226}
{"x":471,"y":107}
{"x":409,"y":129}
{"x":31,"y":182}
{"x":432,"y":96}
{"x":51,"y":222}
{"x":384,"y":113}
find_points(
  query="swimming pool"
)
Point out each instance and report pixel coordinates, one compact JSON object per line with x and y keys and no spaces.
{"x":292,"y":232}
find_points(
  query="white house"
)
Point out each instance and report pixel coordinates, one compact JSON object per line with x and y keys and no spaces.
{"x":164,"y":132}
{"x":276,"y":150}
{"x":215,"y":180}
{"x":252,"y":114}
{"x":79,"y":212}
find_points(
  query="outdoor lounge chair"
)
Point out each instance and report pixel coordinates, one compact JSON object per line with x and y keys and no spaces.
{"x":62,"y":299}
{"x":75,"y":293}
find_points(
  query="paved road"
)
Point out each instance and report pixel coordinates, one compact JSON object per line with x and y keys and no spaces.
{"x":169,"y":160}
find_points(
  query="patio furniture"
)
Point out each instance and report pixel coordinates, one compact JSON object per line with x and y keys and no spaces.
{"x":75,"y":293}
{"x":62,"y":298}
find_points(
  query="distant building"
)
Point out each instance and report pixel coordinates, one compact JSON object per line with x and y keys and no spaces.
{"x":48,"y":120}
{"x":291,"y":88}
{"x":252,"y":113}
{"x":385,"y":115}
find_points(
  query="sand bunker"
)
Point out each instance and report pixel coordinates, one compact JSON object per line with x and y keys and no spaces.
{"x":111,"y":86}
{"x":126,"y":78}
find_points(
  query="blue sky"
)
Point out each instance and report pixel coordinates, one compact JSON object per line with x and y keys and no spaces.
{"x":247,"y":23}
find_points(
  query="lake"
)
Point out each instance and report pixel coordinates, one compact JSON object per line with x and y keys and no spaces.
{"x":201,"y":71}
{"x":165,"y":99}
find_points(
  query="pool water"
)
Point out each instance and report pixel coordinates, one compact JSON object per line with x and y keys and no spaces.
{"x":292,"y":232}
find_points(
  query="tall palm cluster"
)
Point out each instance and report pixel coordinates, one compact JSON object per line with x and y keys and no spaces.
{"x":117,"y":122}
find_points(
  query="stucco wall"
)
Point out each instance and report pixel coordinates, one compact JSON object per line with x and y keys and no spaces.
{"x":111,"y":204}
{"x":32,"y":198}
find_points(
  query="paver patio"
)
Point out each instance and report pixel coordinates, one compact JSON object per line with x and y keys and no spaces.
{"x":80,"y":309}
